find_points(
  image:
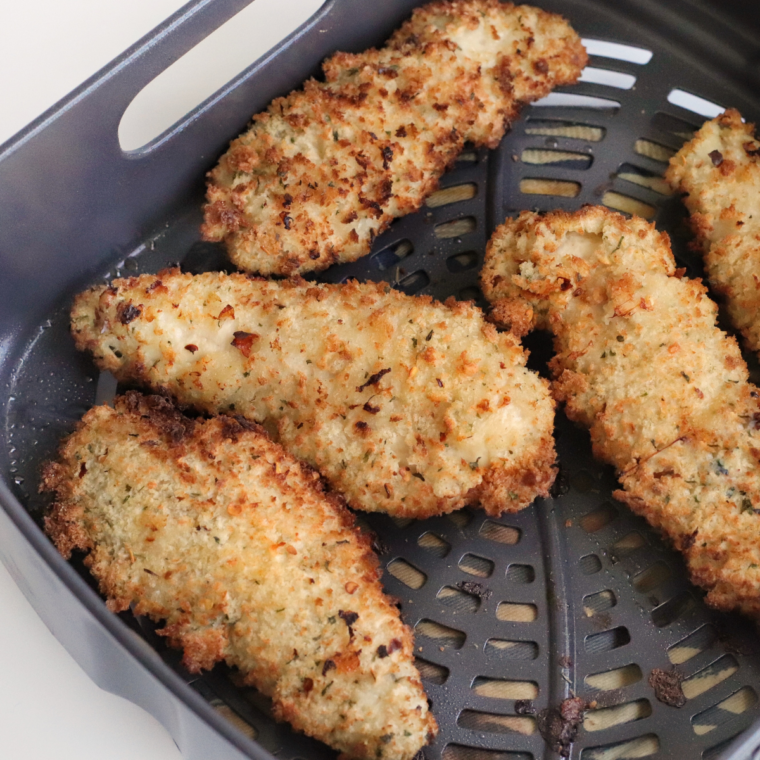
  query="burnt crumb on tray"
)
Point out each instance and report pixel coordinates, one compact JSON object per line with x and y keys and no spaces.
{"x":524,"y":707}
{"x":667,"y":686}
{"x":474,"y":588}
{"x":559,"y":727}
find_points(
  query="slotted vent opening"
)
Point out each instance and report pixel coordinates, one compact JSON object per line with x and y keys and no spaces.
{"x":628,"y":204}
{"x":449,"y":195}
{"x":432,"y":672}
{"x":653,"y":150}
{"x":617,"y":51}
{"x":714,"y":717}
{"x":605,"y":641}
{"x":455,"y":228}
{"x":573,"y":100}
{"x":593,"y":604}
{"x":463,"y":752}
{"x":477,"y":566}
{"x":628,"y":544}
{"x":232,"y":717}
{"x":709,"y":677}
{"x":558,"y":187}
{"x":590,"y":564}
{"x":461,"y":518}
{"x":492,"y":723}
{"x":599,"y":518}
{"x":497,"y":688}
{"x":461,"y":262}
{"x":434,"y":544}
{"x":413,"y":283}
{"x":649,"y":579}
{"x":458,"y":600}
{"x":564,"y":158}
{"x":677,"y":607}
{"x":682,"y":130}
{"x":607,"y":717}
{"x":517,"y":612}
{"x":502,"y":534}
{"x":608,"y":78}
{"x":440,"y":635}
{"x":643,"y":746}
{"x":695,"y":643}
{"x":644,"y":178}
{"x":568,"y":129}
{"x":407,"y":573}
{"x":521,"y":574}
{"x":389,"y":257}
{"x":506,"y":649}
{"x":617,"y":678}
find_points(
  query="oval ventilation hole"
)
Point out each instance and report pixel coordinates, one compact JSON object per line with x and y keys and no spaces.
{"x":739,"y":702}
{"x":475,"y":565}
{"x":391,"y":255}
{"x":470,"y":294}
{"x":583,"y":482}
{"x":709,"y":677}
{"x":462,"y":752}
{"x":515,"y":612}
{"x":599,"y":518}
{"x":455,"y":194}
{"x":431,"y":672}
{"x":440,"y":635}
{"x":232,"y":717}
{"x":461,"y":262}
{"x":649,"y":579}
{"x":606,"y":641}
{"x":521,"y":574}
{"x":503,"y":534}
{"x":644,"y":178}
{"x":590,"y":564}
{"x":653,"y":150}
{"x":491,"y":723}
{"x":564,"y":158}
{"x":695,"y":643}
{"x":461,"y":518}
{"x":628,"y":205}
{"x":458,"y":600}
{"x":569,"y":129}
{"x":608,"y":78}
{"x":505,"y":649}
{"x":550,"y":187}
{"x":572,"y":100}
{"x":434,"y":544}
{"x":164,"y":102}
{"x":618,"y":678}
{"x":617,"y":51}
{"x":498,"y":688}
{"x":694,"y":103}
{"x":593,"y":604}
{"x":674,"y":608}
{"x":607,"y":717}
{"x":643,"y":746}
{"x":407,"y":574}
{"x":681,"y":129}
{"x":713,"y":753}
{"x":401,"y":522}
{"x":628,"y":544}
{"x":413,"y":283}
{"x":455,"y":228}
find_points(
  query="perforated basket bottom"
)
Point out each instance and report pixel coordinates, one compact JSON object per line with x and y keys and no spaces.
{"x":573,"y":596}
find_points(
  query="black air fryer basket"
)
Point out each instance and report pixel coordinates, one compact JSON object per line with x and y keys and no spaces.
{"x":573,"y":596}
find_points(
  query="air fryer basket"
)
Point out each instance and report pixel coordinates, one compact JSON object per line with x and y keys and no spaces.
{"x":573,"y":596}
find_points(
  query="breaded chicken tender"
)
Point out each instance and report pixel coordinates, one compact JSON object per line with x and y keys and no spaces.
{"x":405,"y":405}
{"x":640,"y":363}
{"x":214,"y":529}
{"x":720,"y":172}
{"x":326,"y":169}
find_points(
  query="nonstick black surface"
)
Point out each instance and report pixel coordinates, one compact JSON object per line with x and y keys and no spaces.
{"x":573,"y":596}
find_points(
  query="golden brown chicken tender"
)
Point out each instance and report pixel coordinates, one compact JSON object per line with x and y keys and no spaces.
{"x":719,"y":170}
{"x":213,"y":529}
{"x":327,"y":168}
{"x":405,"y":405}
{"x":640,"y":363}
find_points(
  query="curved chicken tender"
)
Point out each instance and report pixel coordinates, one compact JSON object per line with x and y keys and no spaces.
{"x":641,"y":363}
{"x":212,"y":528}
{"x":720,"y":172}
{"x":405,"y":405}
{"x":326,"y":169}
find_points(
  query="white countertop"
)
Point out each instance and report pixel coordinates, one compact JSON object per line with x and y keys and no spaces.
{"x":49,"y":709}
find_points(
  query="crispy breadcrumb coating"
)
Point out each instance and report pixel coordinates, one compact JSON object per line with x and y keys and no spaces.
{"x":720,"y":172}
{"x":640,"y":362}
{"x":405,"y":405}
{"x":326,"y":169}
{"x":215,"y":530}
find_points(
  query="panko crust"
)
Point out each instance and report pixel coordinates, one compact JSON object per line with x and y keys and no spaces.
{"x":326,"y":168}
{"x":640,"y":363}
{"x":215,"y":530}
{"x":719,"y":172}
{"x":405,"y":405}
